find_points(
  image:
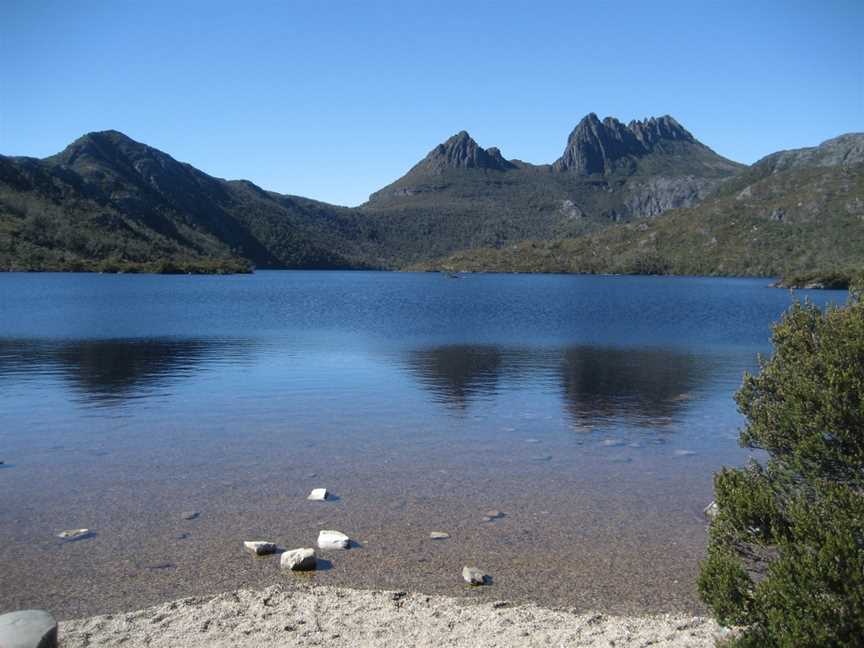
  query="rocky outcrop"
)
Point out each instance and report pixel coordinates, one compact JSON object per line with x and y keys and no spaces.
{"x":654,"y":131}
{"x":845,"y":150}
{"x":654,"y":195}
{"x":462,"y":152}
{"x":608,"y":146}
{"x":597,"y":146}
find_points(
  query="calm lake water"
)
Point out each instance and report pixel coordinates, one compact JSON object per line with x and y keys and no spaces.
{"x":591,"y":411}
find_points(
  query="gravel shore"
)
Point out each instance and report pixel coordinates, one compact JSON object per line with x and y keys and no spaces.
{"x":319,"y":616}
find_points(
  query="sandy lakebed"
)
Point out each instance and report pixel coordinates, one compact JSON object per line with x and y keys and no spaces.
{"x":329,"y":616}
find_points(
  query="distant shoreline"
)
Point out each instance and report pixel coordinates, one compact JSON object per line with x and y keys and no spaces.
{"x":160,"y":267}
{"x":830,"y":280}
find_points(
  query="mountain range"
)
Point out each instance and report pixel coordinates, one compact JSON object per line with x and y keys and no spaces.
{"x":646,"y":196}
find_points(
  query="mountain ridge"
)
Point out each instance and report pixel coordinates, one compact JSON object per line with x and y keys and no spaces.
{"x":106,"y":196}
{"x":803,"y":217}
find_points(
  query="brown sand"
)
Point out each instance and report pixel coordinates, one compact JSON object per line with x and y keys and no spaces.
{"x":328,"y":616}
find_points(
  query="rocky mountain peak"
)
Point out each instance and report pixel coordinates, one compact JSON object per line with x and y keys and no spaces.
{"x":654,"y":129}
{"x":594,"y":146}
{"x":115,"y":152}
{"x":607,"y":146}
{"x":105,"y":158}
{"x":462,"y":152}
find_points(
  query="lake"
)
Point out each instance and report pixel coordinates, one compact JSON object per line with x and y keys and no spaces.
{"x":590,"y":411}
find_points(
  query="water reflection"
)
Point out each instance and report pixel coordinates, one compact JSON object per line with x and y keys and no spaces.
{"x":105,"y":372}
{"x":456,"y":374}
{"x":595,"y":383}
{"x":647,"y":385}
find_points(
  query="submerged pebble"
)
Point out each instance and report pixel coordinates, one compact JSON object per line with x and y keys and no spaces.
{"x":473,"y":576}
{"x":299,"y":560}
{"x":333,"y":540}
{"x":74,"y":534}
{"x":318,"y":495}
{"x":260,"y":547}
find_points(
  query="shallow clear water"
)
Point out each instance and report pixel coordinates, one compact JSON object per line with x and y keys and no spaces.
{"x":592,"y":411}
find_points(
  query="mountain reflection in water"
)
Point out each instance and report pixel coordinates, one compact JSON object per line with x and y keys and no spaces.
{"x":111,"y":371}
{"x":647,"y":385}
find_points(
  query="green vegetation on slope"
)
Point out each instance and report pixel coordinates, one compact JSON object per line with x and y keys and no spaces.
{"x":786,"y":550}
{"x":462,"y":196}
{"x":108,"y":197}
{"x":827,"y":280}
{"x":107,"y":200}
{"x":800,"y":220}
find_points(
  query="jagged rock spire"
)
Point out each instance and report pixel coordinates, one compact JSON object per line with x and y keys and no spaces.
{"x":597,"y":146}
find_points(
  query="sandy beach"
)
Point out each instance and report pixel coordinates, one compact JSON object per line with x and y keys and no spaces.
{"x":327,"y":616}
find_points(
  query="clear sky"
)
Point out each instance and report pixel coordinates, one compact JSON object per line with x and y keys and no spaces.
{"x":333,"y":100}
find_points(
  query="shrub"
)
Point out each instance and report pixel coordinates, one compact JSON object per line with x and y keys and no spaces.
{"x":786,"y":552}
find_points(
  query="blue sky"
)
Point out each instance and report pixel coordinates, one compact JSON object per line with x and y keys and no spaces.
{"x":333,"y":100}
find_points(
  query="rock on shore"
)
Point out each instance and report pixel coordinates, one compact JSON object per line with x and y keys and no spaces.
{"x":28,"y":629}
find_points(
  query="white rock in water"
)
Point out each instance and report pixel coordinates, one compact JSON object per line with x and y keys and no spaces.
{"x":473,"y":576}
{"x":260,"y":547}
{"x":28,"y":629}
{"x":439,"y":535}
{"x":318,"y":495}
{"x":72,"y":534}
{"x":298,"y":560}
{"x":712,"y":510}
{"x":333,"y":540}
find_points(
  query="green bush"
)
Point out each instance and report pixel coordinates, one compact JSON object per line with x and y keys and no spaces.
{"x":786,"y":551}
